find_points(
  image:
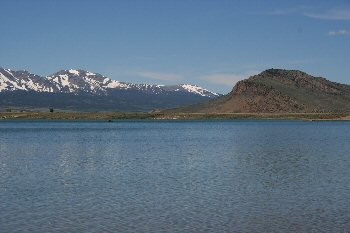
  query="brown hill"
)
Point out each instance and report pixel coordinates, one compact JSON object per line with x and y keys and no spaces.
{"x":280,"y":91}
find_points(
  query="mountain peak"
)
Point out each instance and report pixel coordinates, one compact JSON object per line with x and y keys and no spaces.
{"x":76,"y":72}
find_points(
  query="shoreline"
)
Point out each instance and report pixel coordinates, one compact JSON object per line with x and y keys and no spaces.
{"x":110,"y":116}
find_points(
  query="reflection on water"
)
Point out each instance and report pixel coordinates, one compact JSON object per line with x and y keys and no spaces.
{"x":149,"y":176}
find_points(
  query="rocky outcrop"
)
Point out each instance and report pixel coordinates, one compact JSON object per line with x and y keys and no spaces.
{"x":280,"y":91}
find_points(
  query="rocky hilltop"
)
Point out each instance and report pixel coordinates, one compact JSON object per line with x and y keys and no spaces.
{"x":280,"y":91}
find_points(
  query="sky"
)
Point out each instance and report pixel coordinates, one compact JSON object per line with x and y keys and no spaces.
{"x":210,"y":43}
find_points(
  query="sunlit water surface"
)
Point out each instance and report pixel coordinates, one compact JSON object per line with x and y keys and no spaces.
{"x":194,"y":176}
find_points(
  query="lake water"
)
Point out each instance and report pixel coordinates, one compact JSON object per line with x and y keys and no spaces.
{"x":180,"y":176}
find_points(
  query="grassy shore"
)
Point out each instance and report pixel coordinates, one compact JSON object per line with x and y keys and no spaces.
{"x":169,"y":116}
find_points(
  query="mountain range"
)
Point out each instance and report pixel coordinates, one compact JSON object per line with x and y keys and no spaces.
{"x":279,"y":91}
{"x":83,"y":90}
{"x":271,"y":91}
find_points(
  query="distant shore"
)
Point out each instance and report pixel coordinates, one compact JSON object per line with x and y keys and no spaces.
{"x":110,"y":116}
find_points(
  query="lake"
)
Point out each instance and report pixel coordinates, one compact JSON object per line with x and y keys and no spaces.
{"x":174,"y":176}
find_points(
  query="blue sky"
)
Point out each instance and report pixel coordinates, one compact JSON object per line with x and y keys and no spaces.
{"x":209,"y":43}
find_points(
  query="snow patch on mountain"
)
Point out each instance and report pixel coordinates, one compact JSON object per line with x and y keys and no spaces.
{"x":8,"y":84}
{"x":109,"y":83}
{"x":3,"y":84}
{"x":76,"y":72}
{"x":197,"y":90}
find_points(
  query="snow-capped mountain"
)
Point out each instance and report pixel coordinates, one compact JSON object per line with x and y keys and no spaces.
{"x":78,"y":88}
{"x":81,"y":81}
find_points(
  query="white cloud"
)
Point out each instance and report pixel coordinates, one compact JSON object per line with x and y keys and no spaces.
{"x":160,"y":76}
{"x":288,"y":11}
{"x":335,"y":13}
{"x":332,"y":14}
{"x":339,"y":33}
{"x":227,"y":79}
